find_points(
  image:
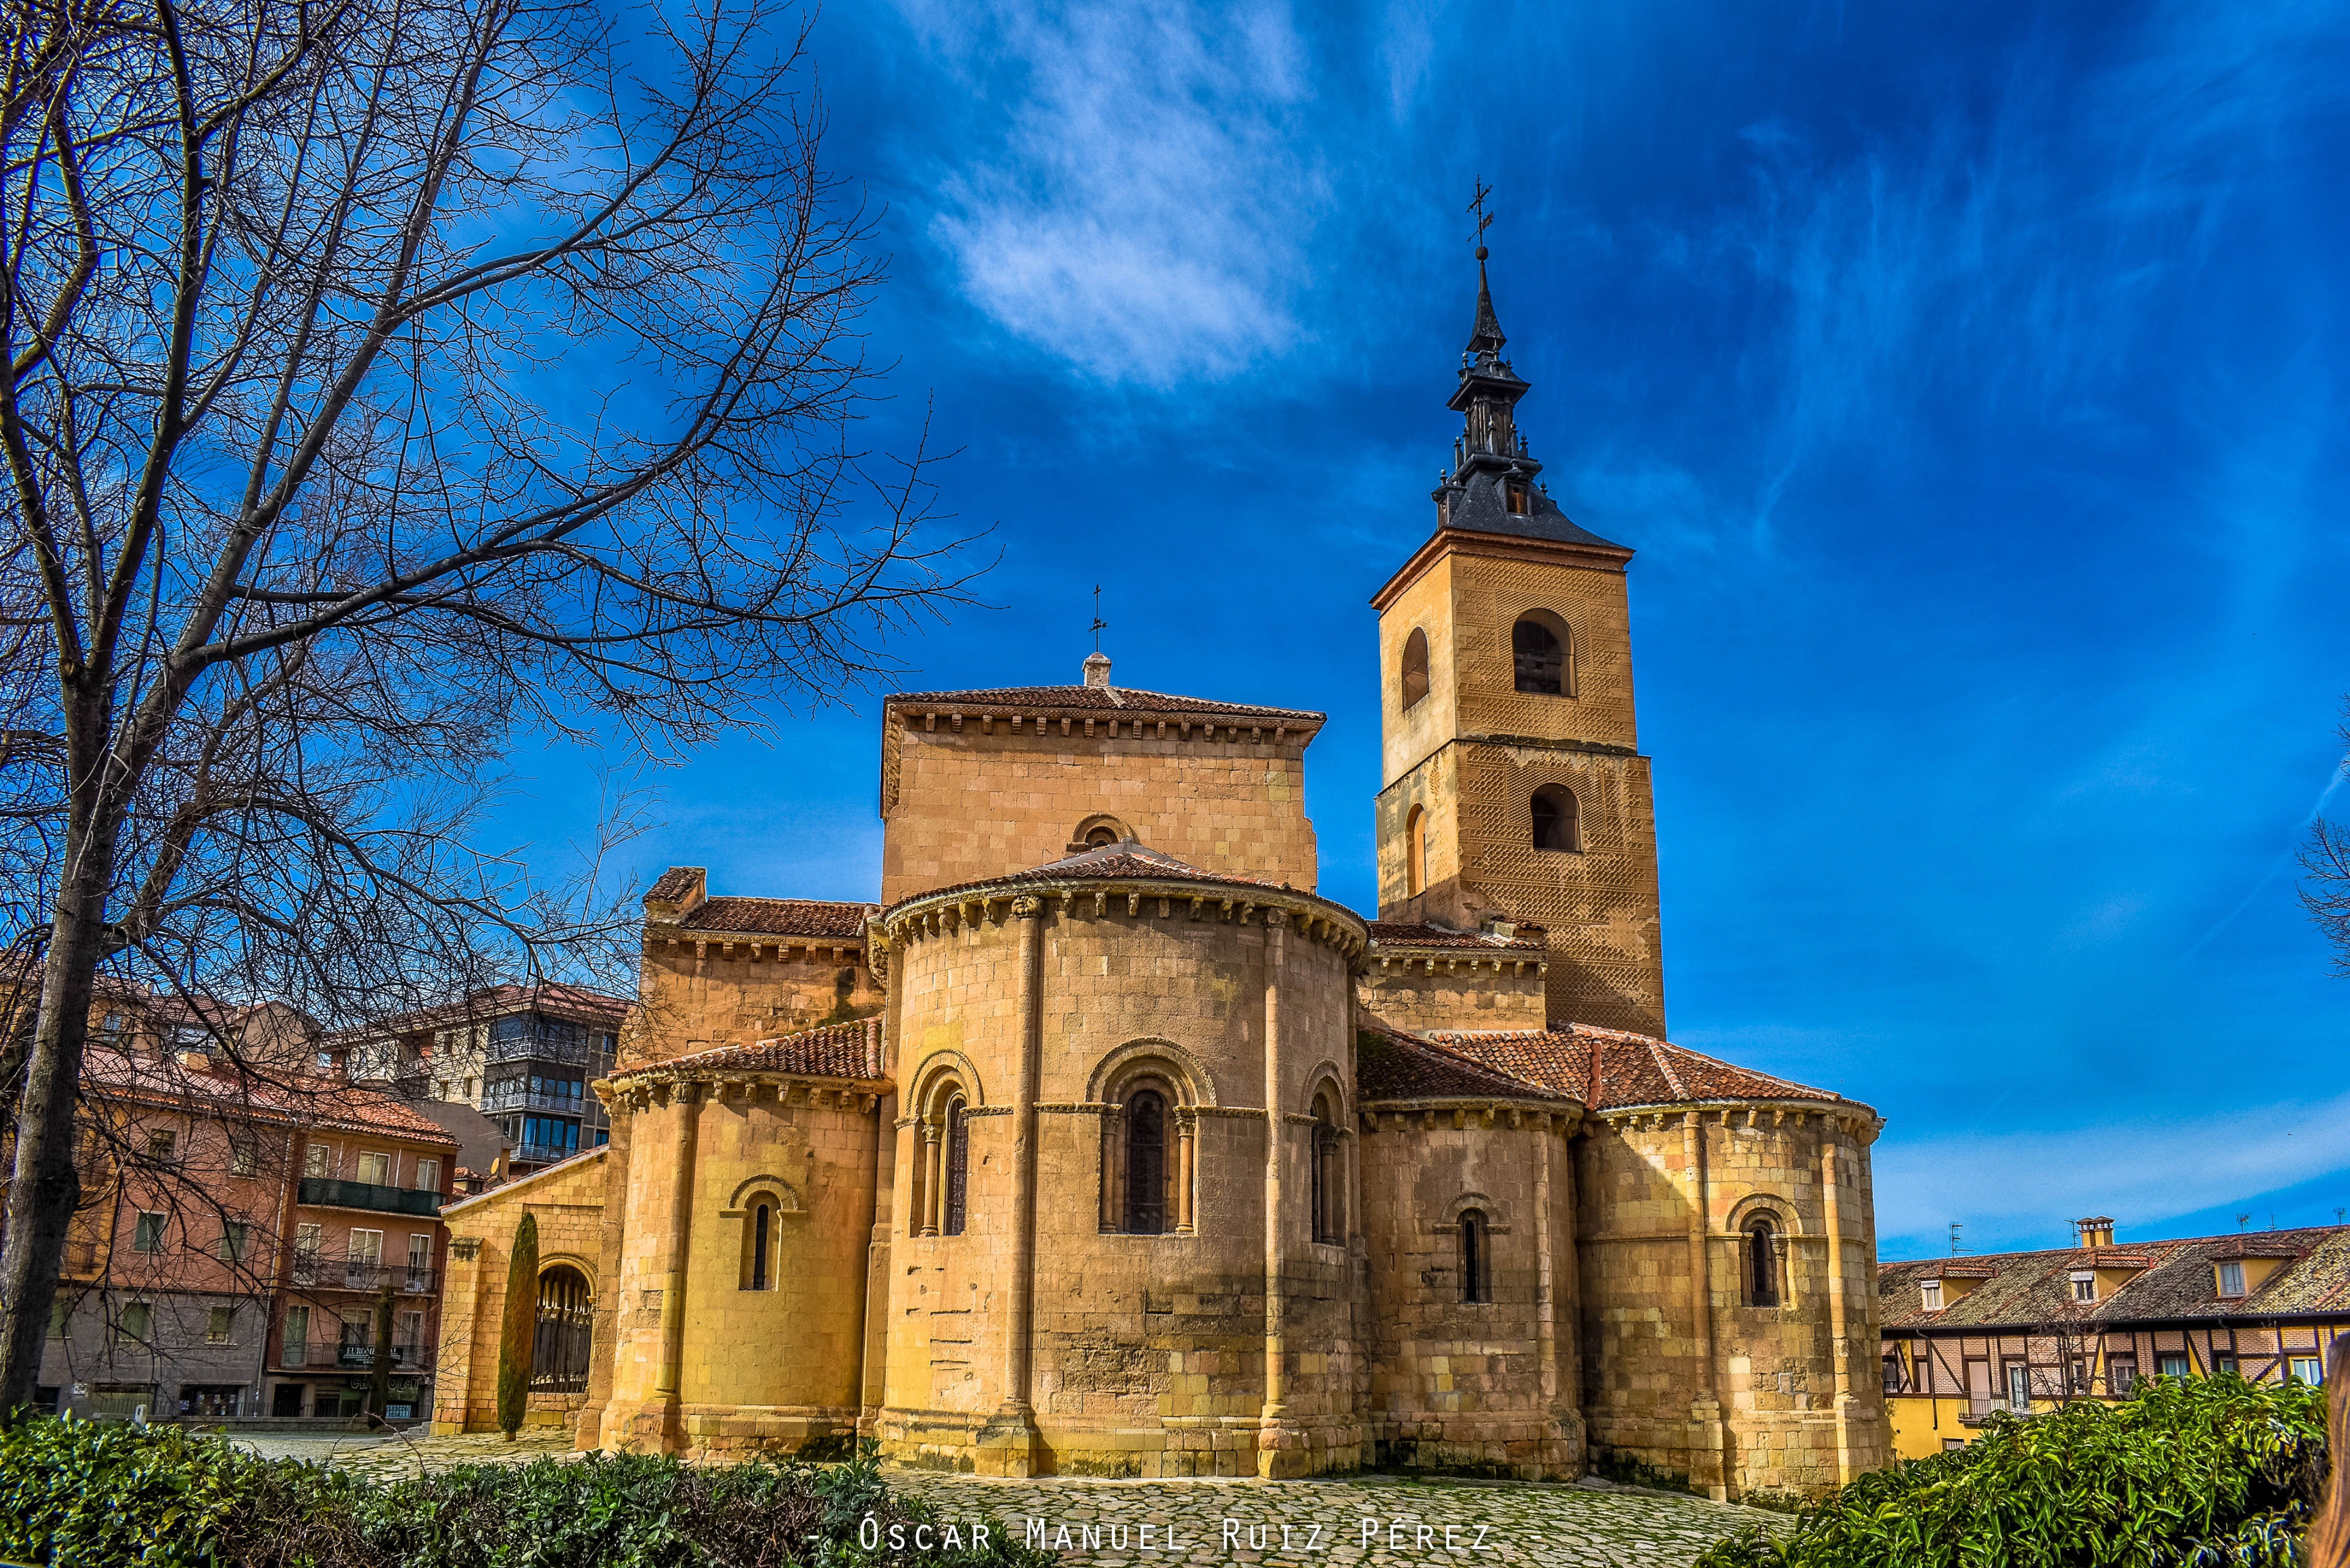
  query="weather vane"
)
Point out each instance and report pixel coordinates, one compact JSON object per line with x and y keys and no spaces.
{"x":1099,"y":623}
{"x":1484,"y":218}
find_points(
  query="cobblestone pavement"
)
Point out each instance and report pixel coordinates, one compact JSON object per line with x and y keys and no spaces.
{"x":1371,"y":1521}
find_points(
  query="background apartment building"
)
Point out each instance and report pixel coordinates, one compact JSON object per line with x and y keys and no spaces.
{"x":521,"y":1056}
{"x":2027,"y":1332}
{"x":242,"y":1213}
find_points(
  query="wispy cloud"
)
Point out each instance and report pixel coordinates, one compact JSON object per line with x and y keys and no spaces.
{"x":1142,"y":194}
{"x":2146,"y":1171}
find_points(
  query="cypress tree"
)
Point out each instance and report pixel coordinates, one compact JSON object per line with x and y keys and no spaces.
{"x":379,"y":1379}
{"x":520,"y":1328}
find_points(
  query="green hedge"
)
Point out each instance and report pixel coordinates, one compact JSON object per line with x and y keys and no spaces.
{"x":77,"y":1494}
{"x":2190,"y":1473}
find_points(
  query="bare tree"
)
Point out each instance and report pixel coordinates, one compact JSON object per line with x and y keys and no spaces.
{"x":2327,"y":859}
{"x":379,"y":376}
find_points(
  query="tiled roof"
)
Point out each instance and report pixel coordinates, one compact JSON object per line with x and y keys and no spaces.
{"x":835,"y":1050}
{"x":575,"y":1003}
{"x":287,"y":1102}
{"x":782,"y":916}
{"x":1402,"y":934}
{"x":1122,"y":862}
{"x":673,"y":884}
{"x":1009,"y":700}
{"x":1392,"y":1065}
{"x":2175,"y":1281}
{"x":1608,"y":1069}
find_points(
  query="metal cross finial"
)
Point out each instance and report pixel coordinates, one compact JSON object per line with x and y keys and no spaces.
{"x":1484,"y":218}
{"x":1099,"y":624}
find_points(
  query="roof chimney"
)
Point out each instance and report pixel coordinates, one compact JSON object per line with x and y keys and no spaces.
{"x":2097,"y":1231}
{"x":1097,"y":671}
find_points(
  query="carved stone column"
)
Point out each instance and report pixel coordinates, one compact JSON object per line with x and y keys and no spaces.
{"x":1009,"y":1444}
{"x":1280,"y":1450}
{"x":1831,"y":1221}
{"x":933,"y":1172}
{"x":1708,"y":1461}
{"x":1187,"y":1137}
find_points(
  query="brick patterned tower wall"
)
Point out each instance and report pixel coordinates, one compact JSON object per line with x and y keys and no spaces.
{"x":1147,"y":1352}
{"x":1488,"y":1386}
{"x":1737,"y":1398}
{"x":1470,"y":756}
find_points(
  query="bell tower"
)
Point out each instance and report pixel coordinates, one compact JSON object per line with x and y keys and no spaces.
{"x":1514,"y":787}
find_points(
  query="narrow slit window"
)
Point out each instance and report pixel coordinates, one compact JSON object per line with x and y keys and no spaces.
{"x":1763,"y":1263}
{"x":763,"y":1241}
{"x":1476,"y":1260}
{"x":958,"y":1162}
{"x":1145,"y":1164}
{"x":1415,"y":853}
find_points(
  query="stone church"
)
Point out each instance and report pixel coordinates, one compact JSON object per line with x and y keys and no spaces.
{"x":1101,"y":1144}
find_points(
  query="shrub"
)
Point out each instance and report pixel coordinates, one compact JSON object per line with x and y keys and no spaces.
{"x":74,"y":1494}
{"x":2191,"y":1473}
{"x":517,"y":1332}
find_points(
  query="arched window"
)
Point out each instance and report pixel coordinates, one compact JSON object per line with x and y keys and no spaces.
{"x":1476,"y":1259}
{"x":760,"y":1236}
{"x":1100,"y":838}
{"x":1763,"y":1263}
{"x":1145,"y":1164}
{"x":1415,"y":667}
{"x":1415,"y":854}
{"x":562,"y":1335}
{"x":1558,"y":819}
{"x":958,"y":1173}
{"x":1325,"y":1173}
{"x":1540,"y":644}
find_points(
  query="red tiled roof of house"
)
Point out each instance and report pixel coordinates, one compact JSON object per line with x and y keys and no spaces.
{"x":1403,"y":934}
{"x":1120,"y":700}
{"x":1610,"y":1069}
{"x":850,"y":1051}
{"x":782,"y":916}
{"x":296,"y":1101}
{"x":572,"y":1001}
{"x":2172,"y":1278}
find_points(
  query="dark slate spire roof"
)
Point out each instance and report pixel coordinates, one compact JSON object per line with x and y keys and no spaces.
{"x":1486,"y":336}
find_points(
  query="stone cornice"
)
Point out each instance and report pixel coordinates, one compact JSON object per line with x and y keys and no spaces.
{"x":658,"y":1083}
{"x":1441,"y":1112}
{"x":1839,"y":1116}
{"x":1447,"y":539}
{"x":1311,"y":917}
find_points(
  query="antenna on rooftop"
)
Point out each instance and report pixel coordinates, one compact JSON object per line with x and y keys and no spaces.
{"x":1956,"y":1245}
{"x":2242,"y":1220}
{"x":1100,"y":625}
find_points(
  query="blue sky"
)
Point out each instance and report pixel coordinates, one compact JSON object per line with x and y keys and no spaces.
{"x":1965,"y":375}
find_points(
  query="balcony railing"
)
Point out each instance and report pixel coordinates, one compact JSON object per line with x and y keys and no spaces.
{"x":523,"y":1097}
{"x":331,"y":1193}
{"x":543,"y":1153}
{"x":341,"y":1353}
{"x":362,"y":1273}
{"x":525,"y":1048}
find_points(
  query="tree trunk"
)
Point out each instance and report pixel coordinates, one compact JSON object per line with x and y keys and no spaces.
{"x":44,"y":1189}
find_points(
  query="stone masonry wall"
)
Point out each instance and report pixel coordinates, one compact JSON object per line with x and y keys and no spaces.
{"x":1149,"y":1350}
{"x":985,"y":800}
{"x":1451,"y":989}
{"x":1766,"y":1412}
{"x":704,"y":988}
{"x":1487,"y":1387}
{"x":567,"y":1200}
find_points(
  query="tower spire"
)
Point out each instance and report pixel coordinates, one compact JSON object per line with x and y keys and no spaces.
{"x":1485,"y":337}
